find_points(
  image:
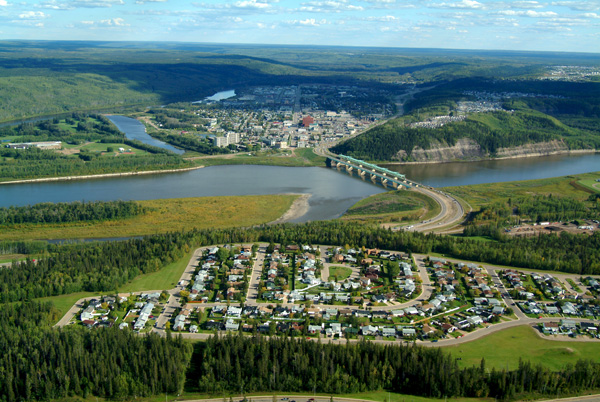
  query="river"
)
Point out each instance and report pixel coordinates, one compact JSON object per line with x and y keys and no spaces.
{"x":495,"y":171}
{"x":332,"y":192}
{"x":134,"y":130}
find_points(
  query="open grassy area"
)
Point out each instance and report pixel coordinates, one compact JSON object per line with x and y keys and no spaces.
{"x":165,"y":216}
{"x":164,"y":279}
{"x":591,"y":184}
{"x":341,"y":273}
{"x":504,"y":349}
{"x":483,"y":194}
{"x":64,"y":302}
{"x":296,"y":158}
{"x":101,"y":147}
{"x":394,"y":206}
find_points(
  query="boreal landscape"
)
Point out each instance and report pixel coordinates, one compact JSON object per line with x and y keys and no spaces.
{"x":187,"y":221}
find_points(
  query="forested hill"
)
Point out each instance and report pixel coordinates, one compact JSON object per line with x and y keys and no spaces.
{"x":54,"y":77}
{"x":538,"y":116}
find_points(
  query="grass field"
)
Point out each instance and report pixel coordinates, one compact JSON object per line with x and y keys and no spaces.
{"x":504,"y":348}
{"x":341,"y":273}
{"x":483,"y":194}
{"x":164,"y":216}
{"x":64,"y":302}
{"x":164,"y":279}
{"x":393,"y":206}
{"x":100,"y":147}
{"x":591,"y":184}
{"x":296,"y":158}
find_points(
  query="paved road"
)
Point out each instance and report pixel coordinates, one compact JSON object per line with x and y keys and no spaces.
{"x":451,"y":212}
{"x":257,"y":267}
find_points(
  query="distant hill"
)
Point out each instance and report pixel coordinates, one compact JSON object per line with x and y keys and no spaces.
{"x":538,"y":117}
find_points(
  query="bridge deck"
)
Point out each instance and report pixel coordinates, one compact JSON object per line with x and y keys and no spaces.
{"x":384,"y":175}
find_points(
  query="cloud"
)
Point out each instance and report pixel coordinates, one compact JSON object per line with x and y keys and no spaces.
{"x":33,"y":15}
{"x":73,"y":4}
{"x":466,"y":4}
{"x":308,"y":22}
{"x":525,"y":4}
{"x":111,"y":22}
{"x":335,"y":6}
{"x":149,"y":1}
{"x":385,"y":18}
{"x":579,"y":5}
{"x":529,"y":13}
{"x":3,"y":3}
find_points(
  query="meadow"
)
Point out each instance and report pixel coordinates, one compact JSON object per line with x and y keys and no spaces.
{"x":166,"y":215}
{"x":523,"y":343}
{"x":393,"y":206}
{"x":574,"y":186}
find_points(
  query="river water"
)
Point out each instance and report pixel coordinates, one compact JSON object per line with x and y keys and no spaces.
{"x":332,"y":192}
{"x":495,"y":171}
{"x":134,"y":130}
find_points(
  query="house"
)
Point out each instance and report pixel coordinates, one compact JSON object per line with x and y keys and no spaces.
{"x":179,"y":323}
{"x":388,"y":331}
{"x":231,"y":325}
{"x":87,"y":314}
{"x":448,"y":328}
{"x":550,"y":328}
{"x":475,"y":320}
{"x":314,"y":329}
{"x":569,"y":308}
{"x":193,"y":329}
{"x":409,"y":332}
{"x":370,"y":330}
{"x":568,"y":325}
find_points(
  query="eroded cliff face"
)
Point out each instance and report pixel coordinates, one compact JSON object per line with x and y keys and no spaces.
{"x":467,"y":149}
{"x":537,"y":149}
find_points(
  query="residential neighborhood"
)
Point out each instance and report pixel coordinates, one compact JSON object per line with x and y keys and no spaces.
{"x":349,"y":293}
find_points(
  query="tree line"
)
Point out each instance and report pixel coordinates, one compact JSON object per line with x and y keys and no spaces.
{"x":107,"y":265}
{"x":42,"y":363}
{"x":238,"y":364}
{"x":63,"y":212}
{"x":34,"y":163}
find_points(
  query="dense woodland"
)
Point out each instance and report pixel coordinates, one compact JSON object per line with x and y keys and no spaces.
{"x":240,"y":364}
{"x":61,"y":212}
{"x":118,"y":364}
{"x":34,"y":163}
{"x":40,"y":363}
{"x":539,"y":208}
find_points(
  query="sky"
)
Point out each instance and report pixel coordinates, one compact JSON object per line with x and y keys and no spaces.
{"x":569,"y":25}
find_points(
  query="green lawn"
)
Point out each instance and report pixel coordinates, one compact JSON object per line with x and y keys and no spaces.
{"x":483,"y":194}
{"x":164,"y":279}
{"x":504,"y":349}
{"x":64,"y":302}
{"x":100,"y":147}
{"x":341,"y":273}
{"x":394,"y":206}
{"x":591,"y":184}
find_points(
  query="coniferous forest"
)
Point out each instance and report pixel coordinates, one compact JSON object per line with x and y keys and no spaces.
{"x":41,"y":363}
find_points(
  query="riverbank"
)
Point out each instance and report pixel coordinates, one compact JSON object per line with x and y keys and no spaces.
{"x":573,"y":152}
{"x":100,"y":176}
{"x":298,"y":208}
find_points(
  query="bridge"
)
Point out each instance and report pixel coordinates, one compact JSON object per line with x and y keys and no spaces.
{"x":377,"y":174}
